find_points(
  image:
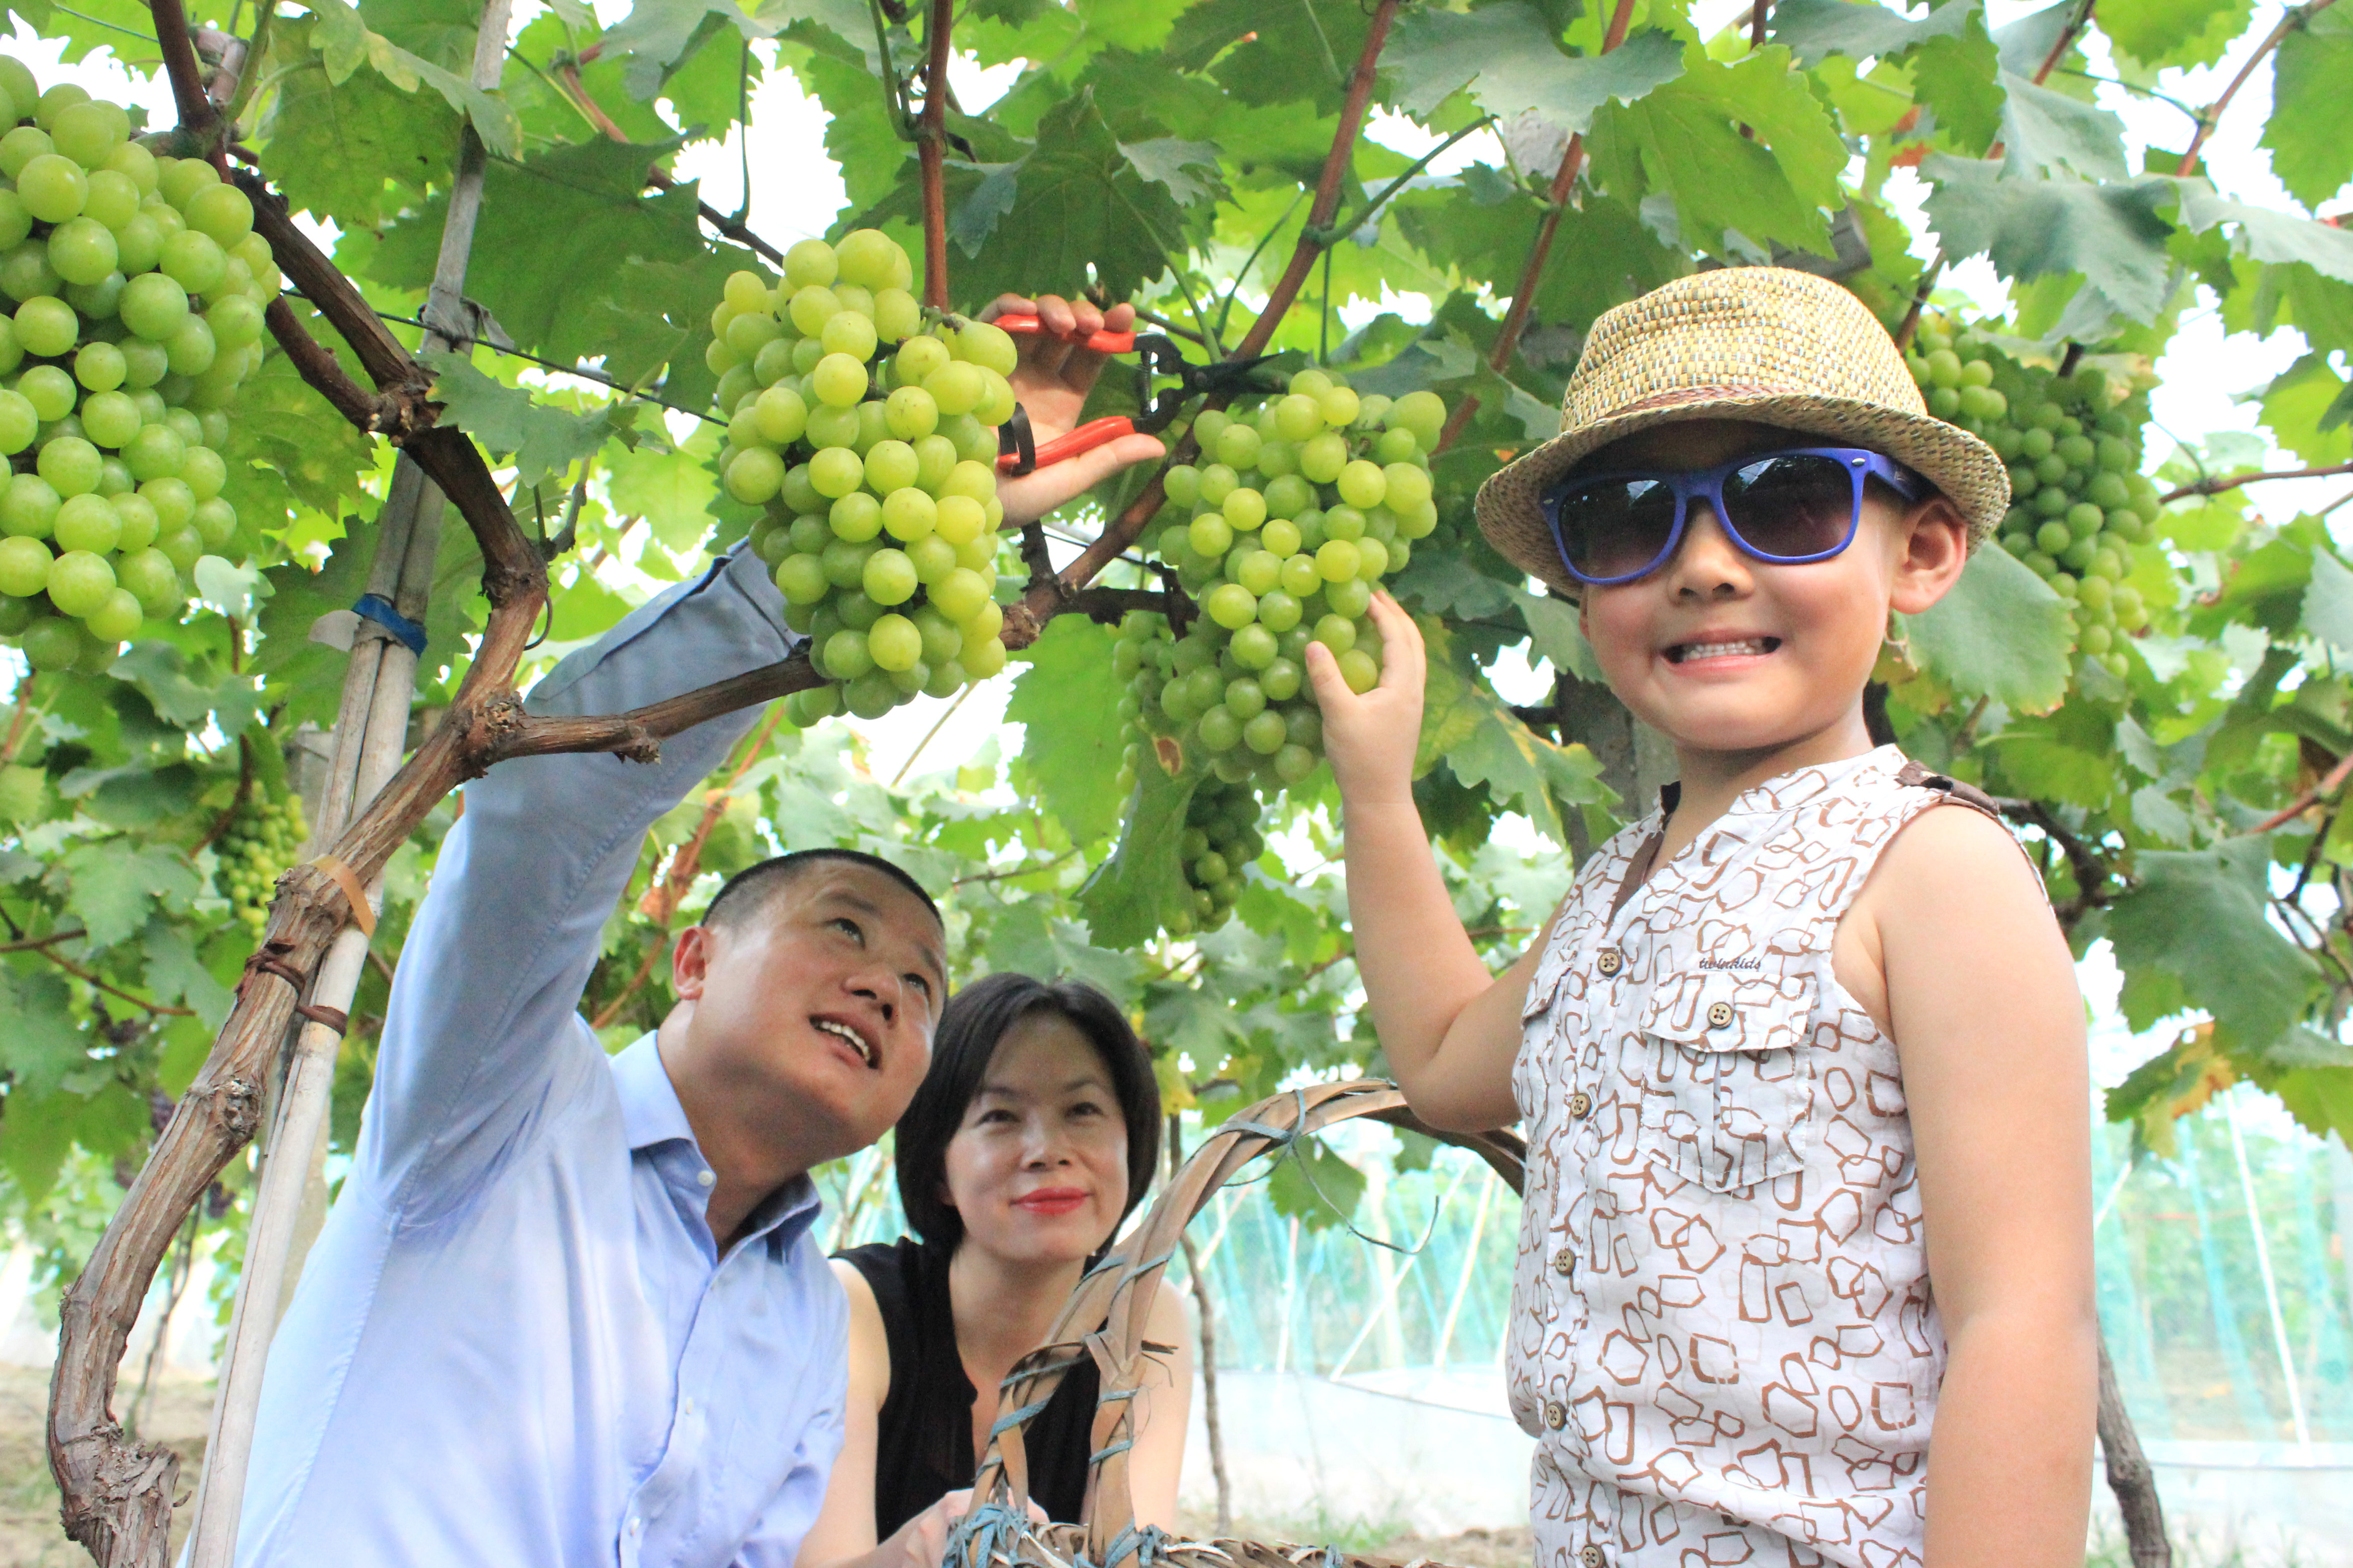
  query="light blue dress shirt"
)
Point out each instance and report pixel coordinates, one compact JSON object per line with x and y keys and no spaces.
{"x":516,"y":1344}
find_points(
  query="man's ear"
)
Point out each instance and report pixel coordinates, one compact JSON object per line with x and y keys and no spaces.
{"x":1934,"y":552}
{"x":690,"y":962}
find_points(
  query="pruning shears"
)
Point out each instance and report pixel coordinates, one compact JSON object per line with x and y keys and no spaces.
{"x":1159,"y":360}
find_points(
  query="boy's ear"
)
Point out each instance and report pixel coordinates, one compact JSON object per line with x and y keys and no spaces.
{"x":1935,"y":550}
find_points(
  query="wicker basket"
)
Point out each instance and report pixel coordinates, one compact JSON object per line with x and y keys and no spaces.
{"x":1117,"y":1294}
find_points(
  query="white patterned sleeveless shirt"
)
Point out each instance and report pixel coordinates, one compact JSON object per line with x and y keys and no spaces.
{"x":1721,"y":1332}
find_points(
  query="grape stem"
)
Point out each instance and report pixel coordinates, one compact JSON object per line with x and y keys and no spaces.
{"x":2296,"y":18}
{"x":931,"y":151}
{"x":2091,"y":873}
{"x":1564,"y":181}
{"x":2328,"y":785}
{"x":2232,"y":481}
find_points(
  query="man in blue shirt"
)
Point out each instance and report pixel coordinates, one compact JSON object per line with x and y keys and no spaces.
{"x":568,"y":1308}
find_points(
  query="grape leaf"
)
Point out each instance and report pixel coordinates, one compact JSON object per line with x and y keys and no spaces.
{"x":1684,"y":138}
{"x":2160,"y":33}
{"x":1815,"y":29}
{"x":1171,"y":160}
{"x":2031,"y":228}
{"x":1264,"y":54}
{"x":1140,"y":890}
{"x":545,"y":440}
{"x":672,"y":489}
{"x":1072,"y":202}
{"x":2310,"y":132}
{"x":2045,"y":132}
{"x":2203,"y":916}
{"x":174,"y":973}
{"x":553,"y":243}
{"x":1511,"y":60}
{"x":1554,"y":632}
{"x":1068,"y":753}
{"x":111,"y":886}
{"x":44,"y":1040}
{"x":2298,"y":407}
{"x":315,"y":453}
{"x":2001,"y":632}
{"x":1027,"y":939}
{"x":1313,"y":1186}
{"x":354,"y":151}
{"x":1955,"y":77}
{"x":2328,"y":600}
{"x":2268,"y":236}
{"x":2026,"y":43}
{"x":1517,"y":765}
{"x":345,"y":41}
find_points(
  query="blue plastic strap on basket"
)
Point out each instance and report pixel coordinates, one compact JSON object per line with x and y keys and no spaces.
{"x":1007,"y":1423}
{"x":1100,"y":1455}
{"x":1332,"y":1558}
{"x":983,"y":1534}
{"x":377,"y":609}
{"x":1145,"y":1541}
{"x":1285,"y":1141}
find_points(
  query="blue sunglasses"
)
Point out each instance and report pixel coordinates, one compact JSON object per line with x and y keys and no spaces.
{"x":1786,"y":508}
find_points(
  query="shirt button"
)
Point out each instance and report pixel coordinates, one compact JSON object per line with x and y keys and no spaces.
{"x":1555,"y":1415}
{"x":1609,"y":963}
{"x":1564,"y":1262}
{"x":1718,"y":1015}
{"x":634,"y":1525}
{"x":686,"y":1406}
{"x":705,"y":1179}
{"x":1580,"y":1105}
{"x":1591,"y":1557}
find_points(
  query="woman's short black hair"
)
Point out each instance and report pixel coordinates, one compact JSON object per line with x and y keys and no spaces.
{"x":972,"y":1025}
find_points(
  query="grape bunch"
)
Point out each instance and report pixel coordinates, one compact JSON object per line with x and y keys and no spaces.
{"x":1297,"y":509}
{"x":1220,"y":837}
{"x":253,"y":851}
{"x":866,"y":430}
{"x":2080,"y":506}
{"x":137,"y":287}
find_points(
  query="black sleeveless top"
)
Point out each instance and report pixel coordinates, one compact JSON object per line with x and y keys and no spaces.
{"x":923,"y":1447}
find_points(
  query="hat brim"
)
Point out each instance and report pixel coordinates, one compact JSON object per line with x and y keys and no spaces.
{"x":1968,"y":472}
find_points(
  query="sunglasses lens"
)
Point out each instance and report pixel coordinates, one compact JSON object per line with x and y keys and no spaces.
{"x":1614,"y":528}
{"x":1792,"y":505}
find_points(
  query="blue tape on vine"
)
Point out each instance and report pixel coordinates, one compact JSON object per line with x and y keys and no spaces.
{"x":377,"y":609}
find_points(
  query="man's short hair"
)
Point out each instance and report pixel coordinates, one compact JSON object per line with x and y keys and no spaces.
{"x":747,"y":892}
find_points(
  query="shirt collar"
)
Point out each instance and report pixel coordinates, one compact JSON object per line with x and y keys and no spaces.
{"x":650,"y":1113}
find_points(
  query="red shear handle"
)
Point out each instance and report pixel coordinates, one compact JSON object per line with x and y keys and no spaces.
{"x":1085,"y":439}
{"x":1101,"y":342}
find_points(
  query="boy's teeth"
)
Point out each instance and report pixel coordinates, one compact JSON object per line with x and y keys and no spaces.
{"x":1723,"y":649}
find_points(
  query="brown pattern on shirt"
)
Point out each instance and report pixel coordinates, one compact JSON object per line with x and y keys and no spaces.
{"x":1722,"y":1329}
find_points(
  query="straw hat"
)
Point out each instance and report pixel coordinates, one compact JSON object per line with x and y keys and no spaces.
{"x":1759,"y":343}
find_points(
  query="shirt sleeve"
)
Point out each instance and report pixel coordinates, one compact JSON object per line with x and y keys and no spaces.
{"x":482,"y":1038}
{"x":785,"y":1523}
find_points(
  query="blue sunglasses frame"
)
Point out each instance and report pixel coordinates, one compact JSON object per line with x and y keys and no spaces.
{"x":1707,"y":484}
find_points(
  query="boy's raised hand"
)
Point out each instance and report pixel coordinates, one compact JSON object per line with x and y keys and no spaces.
{"x":1051,"y":381}
{"x":1372,"y":739}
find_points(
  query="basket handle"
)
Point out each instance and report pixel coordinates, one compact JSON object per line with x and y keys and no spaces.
{"x":1118,"y":1293}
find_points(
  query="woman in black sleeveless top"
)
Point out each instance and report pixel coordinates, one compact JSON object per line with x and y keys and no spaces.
{"x":1034,"y":1134}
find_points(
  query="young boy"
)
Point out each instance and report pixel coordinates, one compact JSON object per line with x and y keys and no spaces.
{"x":1800,"y":1059}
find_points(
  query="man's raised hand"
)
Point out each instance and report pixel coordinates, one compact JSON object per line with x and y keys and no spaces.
{"x":1051,"y":382}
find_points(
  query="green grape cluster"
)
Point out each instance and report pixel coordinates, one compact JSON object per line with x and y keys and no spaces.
{"x":136,"y":286}
{"x":2080,"y":506}
{"x":253,"y":851}
{"x":1297,"y":511}
{"x":1220,"y":837}
{"x":866,"y":430}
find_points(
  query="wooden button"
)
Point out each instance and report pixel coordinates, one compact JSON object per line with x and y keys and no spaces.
{"x":1591,"y":1557}
{"x":1719,"y":1014}
{"x":1580,"y":1105}
{"x":1564,"y":1261}
{"x":1609,"y":963}
{"x":1555,"y":1415}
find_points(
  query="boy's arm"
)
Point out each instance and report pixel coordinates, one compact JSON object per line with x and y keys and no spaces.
{"x":1981,"y":1000}
{"x":1451,"y":1029}
{"x":483,"y":1023}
